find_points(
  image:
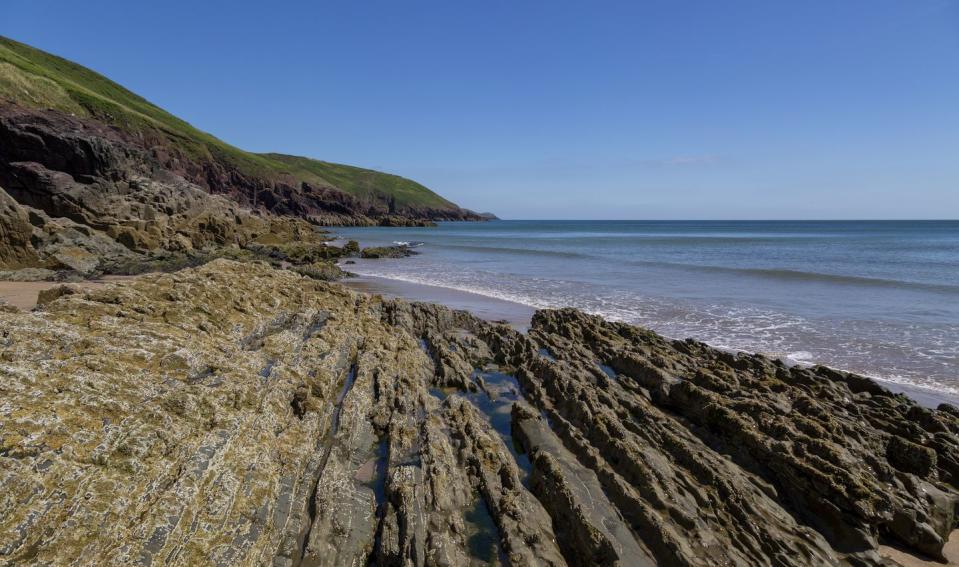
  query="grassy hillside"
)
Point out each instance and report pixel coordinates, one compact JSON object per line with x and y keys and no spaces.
{"x":33,"y":78}
{"x":362,"y":182}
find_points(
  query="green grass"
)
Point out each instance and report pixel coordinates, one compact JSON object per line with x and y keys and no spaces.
{"x":363,"y":182}
{"x":33,"y":78}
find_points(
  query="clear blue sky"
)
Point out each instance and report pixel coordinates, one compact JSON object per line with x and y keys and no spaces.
{"x":589,"y":109}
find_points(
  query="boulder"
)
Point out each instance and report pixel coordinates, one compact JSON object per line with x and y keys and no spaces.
{"x":16,"y":248}
{"x":387,"y":252}
{"x":77,"y":259}
{"x":324,"y":271}
{"x":51,"y":294}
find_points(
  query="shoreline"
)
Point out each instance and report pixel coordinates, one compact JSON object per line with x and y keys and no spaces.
{"x":23,"y":295}
{"x":518,"y":316}
{"x":483,"y":306}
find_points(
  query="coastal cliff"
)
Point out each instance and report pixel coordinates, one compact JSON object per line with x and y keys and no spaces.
{"x":237,"y":414}
{"x":96,"y":180}
{"x":61,"y":123}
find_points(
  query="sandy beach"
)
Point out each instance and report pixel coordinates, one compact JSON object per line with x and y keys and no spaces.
{"x":24,"y":294}
{"x":489,"y":308}
{"x":906,"y":559}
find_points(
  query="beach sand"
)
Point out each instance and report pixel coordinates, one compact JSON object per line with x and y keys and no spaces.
{"x":24,"y":294}
{"x":906,"y":559}
{"x":489,"y":308}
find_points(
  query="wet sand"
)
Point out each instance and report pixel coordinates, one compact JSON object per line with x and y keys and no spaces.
{"x":922,"y":396}
{"x":906,"y":559}
{"x":24,"y":294}
{"x":491,"y":309}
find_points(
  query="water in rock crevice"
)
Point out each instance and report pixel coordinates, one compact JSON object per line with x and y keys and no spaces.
{"x":496,"y":393}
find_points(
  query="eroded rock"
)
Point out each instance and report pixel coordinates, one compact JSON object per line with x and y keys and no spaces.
{"x":399,"y":251}
{"x":16,"y":249}
{"x":237,"y":414}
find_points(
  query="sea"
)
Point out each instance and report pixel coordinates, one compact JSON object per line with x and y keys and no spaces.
{"x":879,"y":298}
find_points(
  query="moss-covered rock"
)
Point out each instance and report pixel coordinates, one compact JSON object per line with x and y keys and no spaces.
{"x":324,"y":271}
{"x":387,"y":252}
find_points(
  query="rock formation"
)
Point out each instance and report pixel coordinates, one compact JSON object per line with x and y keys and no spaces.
{"x":397,"y":251}
{"x":59,"y":163}
{"x":95,"y":179}
{"x":16,"y":248}
{"x":140,"y":224}
{"x":235,"y":414}
{"x":79,"y":199}
{"x":63,"y":126}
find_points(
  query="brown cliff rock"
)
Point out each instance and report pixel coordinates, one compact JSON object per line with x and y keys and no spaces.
{"x":16,"y":248}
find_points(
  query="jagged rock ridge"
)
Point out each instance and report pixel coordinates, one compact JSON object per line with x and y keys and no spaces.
{"x":234,"y":414}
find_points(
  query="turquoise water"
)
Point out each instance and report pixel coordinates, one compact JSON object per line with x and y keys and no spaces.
{"x":878,"y":298}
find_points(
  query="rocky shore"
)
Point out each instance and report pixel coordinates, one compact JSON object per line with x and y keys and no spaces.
{"x":95,"y":180}
{"x":240,"y":414}
{"x":79,"y":200}
{"x":157,"y":227}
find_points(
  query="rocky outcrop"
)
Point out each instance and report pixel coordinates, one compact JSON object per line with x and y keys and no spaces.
{"x":140,"y":224}
{"x":393,"y":220}
{"x":80,"y":198}
{"x":97,"y":177}
{"x":690,"y":440}
{"x":235,"y":414}
{"x":16,"y":248}
{"x":31,"y":241}
{"x":398,"y":251}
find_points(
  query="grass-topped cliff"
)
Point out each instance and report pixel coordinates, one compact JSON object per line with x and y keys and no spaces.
{"x":33,"y":79}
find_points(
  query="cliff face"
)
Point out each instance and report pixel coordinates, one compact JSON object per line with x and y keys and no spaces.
{"x":94,"y":179}
{"x":91,"y":151}
{"x":238,"y":415}
{"x":59,"y":228}
{"x":16,"y":248}
{"x":87,"y":171}
{"x":75,"y":122}
{"x":80,"y":197}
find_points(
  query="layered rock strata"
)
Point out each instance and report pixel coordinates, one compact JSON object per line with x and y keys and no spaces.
{"x":56,"y":161}
{"x":235,"y":414}
{"x":79,"y":199}
{"x":36,"y":246}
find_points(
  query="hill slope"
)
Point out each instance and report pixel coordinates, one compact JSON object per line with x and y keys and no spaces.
{"x":34,"y":80}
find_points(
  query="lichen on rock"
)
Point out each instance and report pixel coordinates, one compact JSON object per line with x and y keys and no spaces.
{"x":238,"y":414}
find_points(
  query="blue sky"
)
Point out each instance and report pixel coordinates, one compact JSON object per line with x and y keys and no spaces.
{"x":603,"y":109}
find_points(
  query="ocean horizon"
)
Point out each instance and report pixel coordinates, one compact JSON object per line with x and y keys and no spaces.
{"x":879,"y":298}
